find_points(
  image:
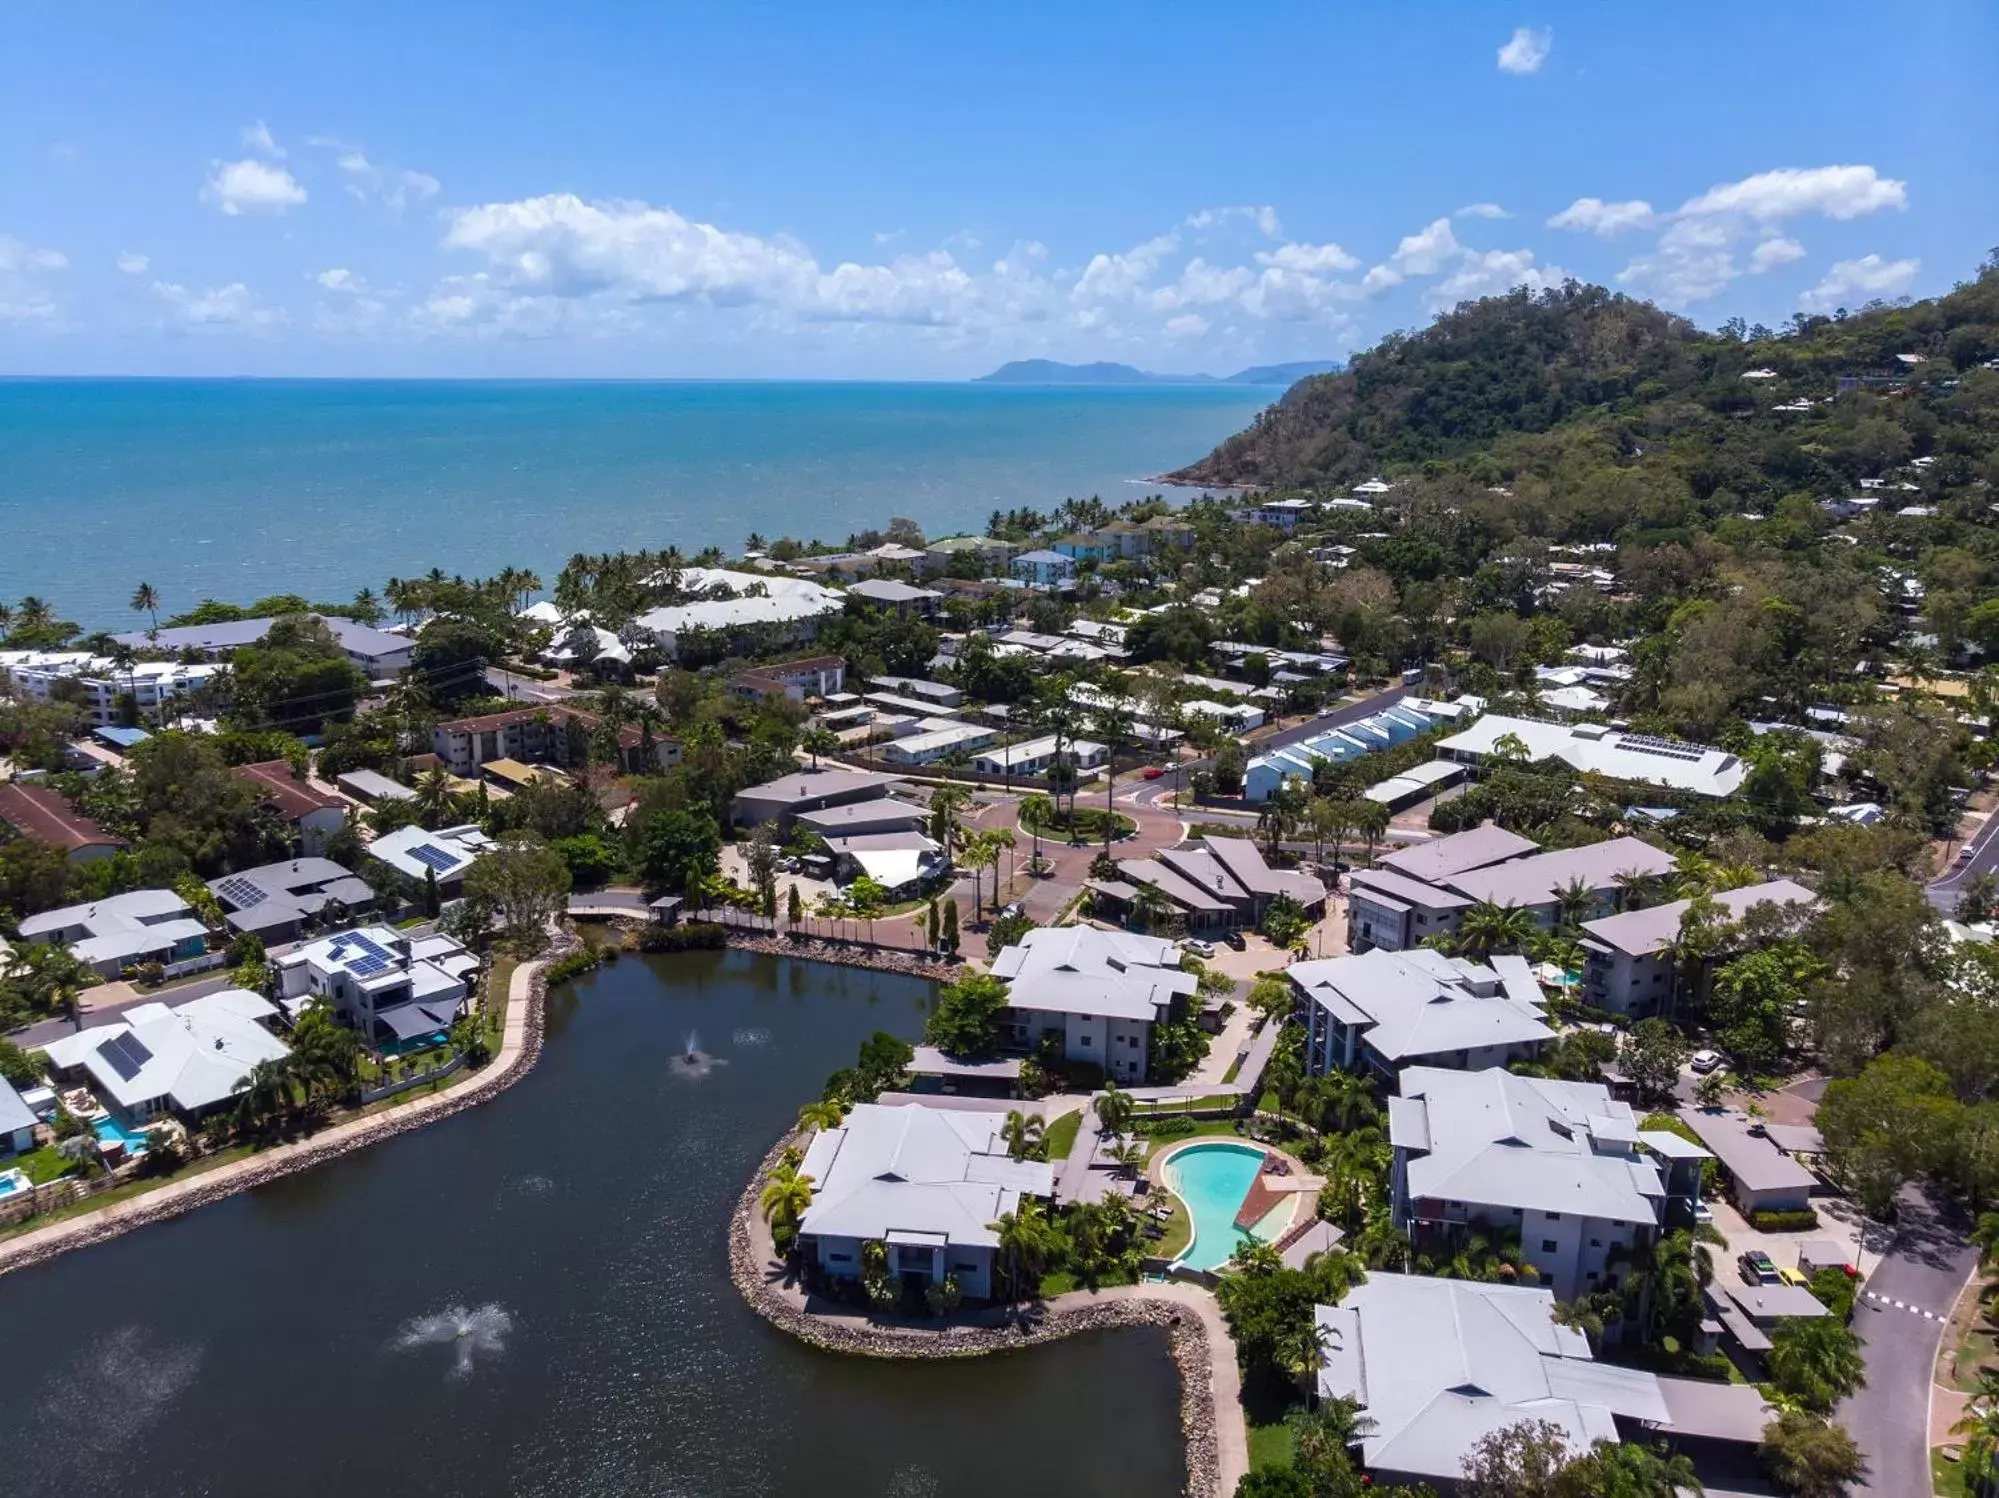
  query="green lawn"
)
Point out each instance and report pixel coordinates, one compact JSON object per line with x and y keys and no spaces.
{"x":1167,"y":1109}
{"x":1061,"y":1135}
{"x":1269,"y":1446}
{"x":122,"y":1193}
{"x":1946,"y":1478}
{"x":1979,"y":1349}
{"x":41,"y":1166}
{"x":1179,"y":1231}
{"x":1207,"y":1128}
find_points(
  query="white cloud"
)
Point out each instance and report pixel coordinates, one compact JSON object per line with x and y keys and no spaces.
{"x":1311,"y":258}
{"x":1423,"y":253}
{"x":1483,"y":273}
{"x":15,"y":256}
{"x":1774,"y":252}
{"x":134,"y":264}
{"x":1859,"y":280}
{"x":1108,"y":277}
{"x":1186,"y":325}
{"x":1526,"y":50}
{"x":25,"y":298}
{"x":339,"y":278}
{"x":1693,"y":261}
{"x":888,"y":236}
{"x":1264,"y":217}
{"x":240,"y":187}
{"x":396,"y":187}
{"x":1838,"y":192}
{"x":233,"y":306}
{"x":1481,"y":210}
{"x":258,"y":137}
{"x":1595,"y":216}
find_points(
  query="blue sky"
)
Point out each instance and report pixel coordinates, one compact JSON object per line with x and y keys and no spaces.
{"x":444,"y":188}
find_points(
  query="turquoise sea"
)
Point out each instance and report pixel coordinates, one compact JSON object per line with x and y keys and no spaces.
{"x":235,"y":489}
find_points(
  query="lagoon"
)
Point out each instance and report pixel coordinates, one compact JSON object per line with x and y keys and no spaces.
{"x":532,"y":1297}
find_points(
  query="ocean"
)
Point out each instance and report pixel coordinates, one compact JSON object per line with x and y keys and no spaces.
{"x":236,"y":489}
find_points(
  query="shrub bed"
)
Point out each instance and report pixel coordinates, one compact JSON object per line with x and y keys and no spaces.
{"x":693,"y":936}
{"x":1784,"y":1222}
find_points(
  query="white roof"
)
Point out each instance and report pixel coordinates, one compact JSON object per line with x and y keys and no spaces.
{"x":1042,"y":748}
{"x":1436,"y":1365}
{"x":1496,"y":1139}
{"x":451,"y":850}
{"x":194,"y":1056}
{"x":1591,"y":749}
{"x":1422,"y":1003}
{"x":731,"y":613}
{"x":1081,"y":970}
{"x":912,"y":1169}
{"x":118,"y":926}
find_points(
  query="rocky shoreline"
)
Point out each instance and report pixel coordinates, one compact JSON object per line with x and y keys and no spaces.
{"x":246,"y":1175}
{"x":983,"y":1334}
{"x":812,"y":949}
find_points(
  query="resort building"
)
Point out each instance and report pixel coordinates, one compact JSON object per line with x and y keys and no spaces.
{"x":1437,"y":1365}
{"x":926,"y":1183}
{"x":444,"y":854}
{"x":152,"y":686}
{"x":901,"y":862}
{"x":783,"y":800}
{"x":902,"y":598}
{"x":1394,"y":912}
{"x":939,"y":738}
{"x":1408,"y":719}
{"x":36,"y":811}
{"x":375,"y":651}
{"x":1592,"y":749}
{"x":1607,"y":870}
{"x":120,"y":931}
{"x":1101,"y":992}
{"x":780,"y":612}
{"x":278,"y":901}
{"x":544,"y":735}
{"x":816,"y":676}
{"x":1761,"y":1177}
{"x":1441,"y":857}
{"x":390,"y":987}
{"x":187,"y":1060}
{"x":313,"y":815}
{"x":1043,"y":568}
{"x":1383,"y":1011}
{"x":1559,"y":1163}
{"x":938,"y":556}
{"x":856,"y":818}
{"x":1628,"y":963}
{"x":1219,"y":884}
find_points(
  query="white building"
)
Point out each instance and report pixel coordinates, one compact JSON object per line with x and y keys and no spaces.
{"x":1388,"y":1010}
{"x":152,"y":685}
{"x":121,"y":931}
{"x":926,"y":1183}
{"x":1627,"y":958}
{"x":448,"y":853}
{"x":1557,"y":1162}
{"x":776,"y":609}
{"x":378,"y":652}
{"x":1036,"y":756}
{"x":1593,"y":749}
{"x":186,"y":1060}
{"x":935,"y":742}
{"x":1101,"y":991}
{"x":385,"y":984}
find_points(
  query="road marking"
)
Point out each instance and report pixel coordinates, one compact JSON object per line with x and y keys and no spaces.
{"x":1914,"y":1310}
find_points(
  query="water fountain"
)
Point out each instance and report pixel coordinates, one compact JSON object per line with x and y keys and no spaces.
{"x":693,"y":1063}
{"x":471,"y":1334}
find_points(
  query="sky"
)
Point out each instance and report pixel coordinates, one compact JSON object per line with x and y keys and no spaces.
{"x":920,"y":192}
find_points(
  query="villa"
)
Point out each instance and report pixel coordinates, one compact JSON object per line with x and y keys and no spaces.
{"x":1437,"y":1365}
{"x":313,"y":815}
{"x":187,"y":1060}
{"x":444,"y":854}
{"x":1559,"y":1163}
{"x":1101,"y":992}
{"x":926,"y":1183}
{"x":277,"y":901}
{"x":387,"y":985}
{"x":375,"y":651}
{"x":152,"y":685}
{"x":121,"y":931}
{"x":1384,"y":1011}
{"x":1628,"y":959}
{"x":40,"y":813}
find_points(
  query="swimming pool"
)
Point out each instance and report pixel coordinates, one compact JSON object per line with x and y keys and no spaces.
{"x":1212,"y":1179}
{"x":12,"y":1182}
{"x":110,"y":1131}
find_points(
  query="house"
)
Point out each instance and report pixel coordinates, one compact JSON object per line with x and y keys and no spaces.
{"x":121,"y":931}
{"x":1761,"y":1177}
{"x":313,"y":815}
{"x":903,"y":598}
{"x":1408,"y":719}
{"x":1043,"y":568}
{"x":916,"y":691}
{"x":1098,"y":992}
{"x":1394,"y":912}
{"x":391,"y":987}
{"x":1536,"y":884}
{"x":579,"y":645}
{"x":815,"y":676}
{"x":901,"y":862}
{"x":1750,"y":1313}
{"x":1220,"y":883}
{"x":17,"y":1122}
{"x":549,"y":735}
{"x":1435,"y":1366}
{"x":1439,"y":858}
{"x":1627,"y":958}
{"x":36,"y":811}
{"x":1557,"y":1162}
{"x":1038,"y":756}
{"x":938,"y":739}
{"x":1592,"y":749}
{"x":761,"y":612}
{"x":1284,"y":514}
{"x":1412,"y":787}
{"x":444,"y":854}
{"x":784,"y":799}
{"x":1384,"y":1010}
{"x":856,"y":818}
{"x":926,"y":1183}
{"x":1230,"y":717}
{"x":375,"y":651}
{"x":104,"y":683}
{"x":278,"y":901}
{"x":188,"y":1060}
{"x":371,"y":787}
{"x":939,"y":555}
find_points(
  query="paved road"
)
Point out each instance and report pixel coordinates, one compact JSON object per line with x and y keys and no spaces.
{"x":1944,"y":890}
{"x":1924,"y":1267}
{"x":525,"y":688}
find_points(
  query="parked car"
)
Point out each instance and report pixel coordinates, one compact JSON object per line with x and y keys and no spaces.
{"x":1153,"y":772}
{"x":1793,"y":1277}
{"x":1198,"y":947}
{"x":1706,"y":1061}
{"x":1010,"y":910}
{"x":1758,"y":1268}
{"x":1235,"y":940}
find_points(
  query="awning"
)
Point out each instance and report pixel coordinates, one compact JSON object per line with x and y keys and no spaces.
{"x":408,"y":1021}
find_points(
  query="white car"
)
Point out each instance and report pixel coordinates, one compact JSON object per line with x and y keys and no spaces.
{"x":1199,"y":948}
{"x":1706,"y":1061}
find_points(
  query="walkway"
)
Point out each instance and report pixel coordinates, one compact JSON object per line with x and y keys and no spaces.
{"x":518,"y":1047}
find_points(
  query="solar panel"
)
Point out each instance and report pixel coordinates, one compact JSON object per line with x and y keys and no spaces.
{"x":367,"y":945}
{"x":241,"y":892}
{"x":367,"y":967}
{"x":126,"y":1054}
{"x":435,"y":858}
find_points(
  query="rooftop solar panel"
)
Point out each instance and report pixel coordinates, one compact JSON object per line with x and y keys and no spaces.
{"x":435,"y":858}
{"x":241,"y":892}
{"x":125,"y":1054}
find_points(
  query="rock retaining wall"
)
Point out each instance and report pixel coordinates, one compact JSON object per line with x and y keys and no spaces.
{"x":980,"y":1333}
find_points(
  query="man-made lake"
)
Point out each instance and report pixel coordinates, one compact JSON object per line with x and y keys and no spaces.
{"x":290,"y":1341}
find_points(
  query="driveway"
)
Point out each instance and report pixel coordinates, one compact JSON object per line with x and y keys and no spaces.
{"x":1984,"y":859}
{"x":1902,"y":1314}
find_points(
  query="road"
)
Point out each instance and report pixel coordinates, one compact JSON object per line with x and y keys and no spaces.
{"x":525,"y":689}
{"x":1923,"y":1269}
{"x":1984,"y":859}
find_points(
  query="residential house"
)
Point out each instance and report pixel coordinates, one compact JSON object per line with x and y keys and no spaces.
{"x":937,"y":739}
{"x":929,"y":696}
{"x":1382,"y":1011}
{"x":939,"y":555}
{"x":1628,"y":965}
{"x":187,"y":1060}
{"x":784,"y":799}
{"x":1435,"y":1366}
{"x":1593,"y":749}
{"x":17,"y":1122}
{"x":121,"y":931}
{"x":372,"y":788}
{"x":1043,"y":568}
{"x":1413,"y":787}
{"x":1230,"y":717}
{"x":902,"y":598}
{"x":313,"y":814}
{"x":1099,"y":992}
{"x":928,"y":1184}
{"x":390,"y":986}
{"x":1038,"y":756}
{"x":36,"y":811}
{"x":377,"y":652}
{"x":1761,"y":1177}
{"x":1283,"y":514}
{"x":816,"y":676}
{"x":549,"y":735}
{"x":1559,"y":1163}
{"x":278,"y":901}
{"x":1408,"y":719}
{"x":152,"y":686}
{"x":444,"y":854}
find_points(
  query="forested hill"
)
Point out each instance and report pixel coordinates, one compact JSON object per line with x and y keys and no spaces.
{"x":1584,"y":362}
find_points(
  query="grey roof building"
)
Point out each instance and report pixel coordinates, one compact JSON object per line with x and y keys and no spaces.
{"x":1473,"y":848}
{"x":375,"y":651}
{"x":783,"y":799}
{"x":1395,"y":911}
{"x":277,"y":900}
{"x":1627,"y":961}
{"x":1761,"y":1177}
{"x":1386,"y":1010}
{"x":1532,"y":883}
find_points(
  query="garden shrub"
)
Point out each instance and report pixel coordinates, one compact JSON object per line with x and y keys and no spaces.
{"x":692,"y":936}
{"x":1784,"y":1222}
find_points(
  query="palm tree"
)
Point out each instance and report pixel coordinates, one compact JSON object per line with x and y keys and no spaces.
{"x":1027,"y":1242}
{"x":1278,"y":815}
{"x":51,"y":977}
{"x":1371,"y":820}
{"x":1573,"y":903}
{"x":146,"y":600}
{"x":1817,"y":1361}
{"x":786,"y":1198}
{"x":266,"y":1097}
{"x":1487,"y":928}
{"x":434,"y":797}
{"x":822,"y":1115}
{"x":1150,"y":908}
{"x":980,"y":853}
{"x":1036,"y":812}
{"x":1002,"y":840}
{"x":1980,"y":1427}
{"x":1634,"y":887}
{"x":818,"y":741}
{"x":1023,"y":1133}
{"x":1253,"y":1256}
{"x":1114,"y":1109}
{"x":1129,"y":1157}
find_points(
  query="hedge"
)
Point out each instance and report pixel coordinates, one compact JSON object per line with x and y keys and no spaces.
{"x":1784,"y":1222}
{"x":693,"y":936}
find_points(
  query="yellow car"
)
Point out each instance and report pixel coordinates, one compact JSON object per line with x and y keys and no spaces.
{"x":1793,"y":1277}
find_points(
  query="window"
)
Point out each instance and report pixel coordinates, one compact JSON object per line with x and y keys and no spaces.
{"x":1084,"y":1041}
{"x":839,"y":1258}
{"x":1548,"y":1246}
{"x":1591,"y":1275}
{"x":1554,"y":1217}
{"x":1596,"y":1243}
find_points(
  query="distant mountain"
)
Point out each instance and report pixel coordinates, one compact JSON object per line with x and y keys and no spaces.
{"x":1052,"y":372}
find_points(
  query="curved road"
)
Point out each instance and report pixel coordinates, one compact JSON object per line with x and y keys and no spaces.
{"x":1983,"y":859}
